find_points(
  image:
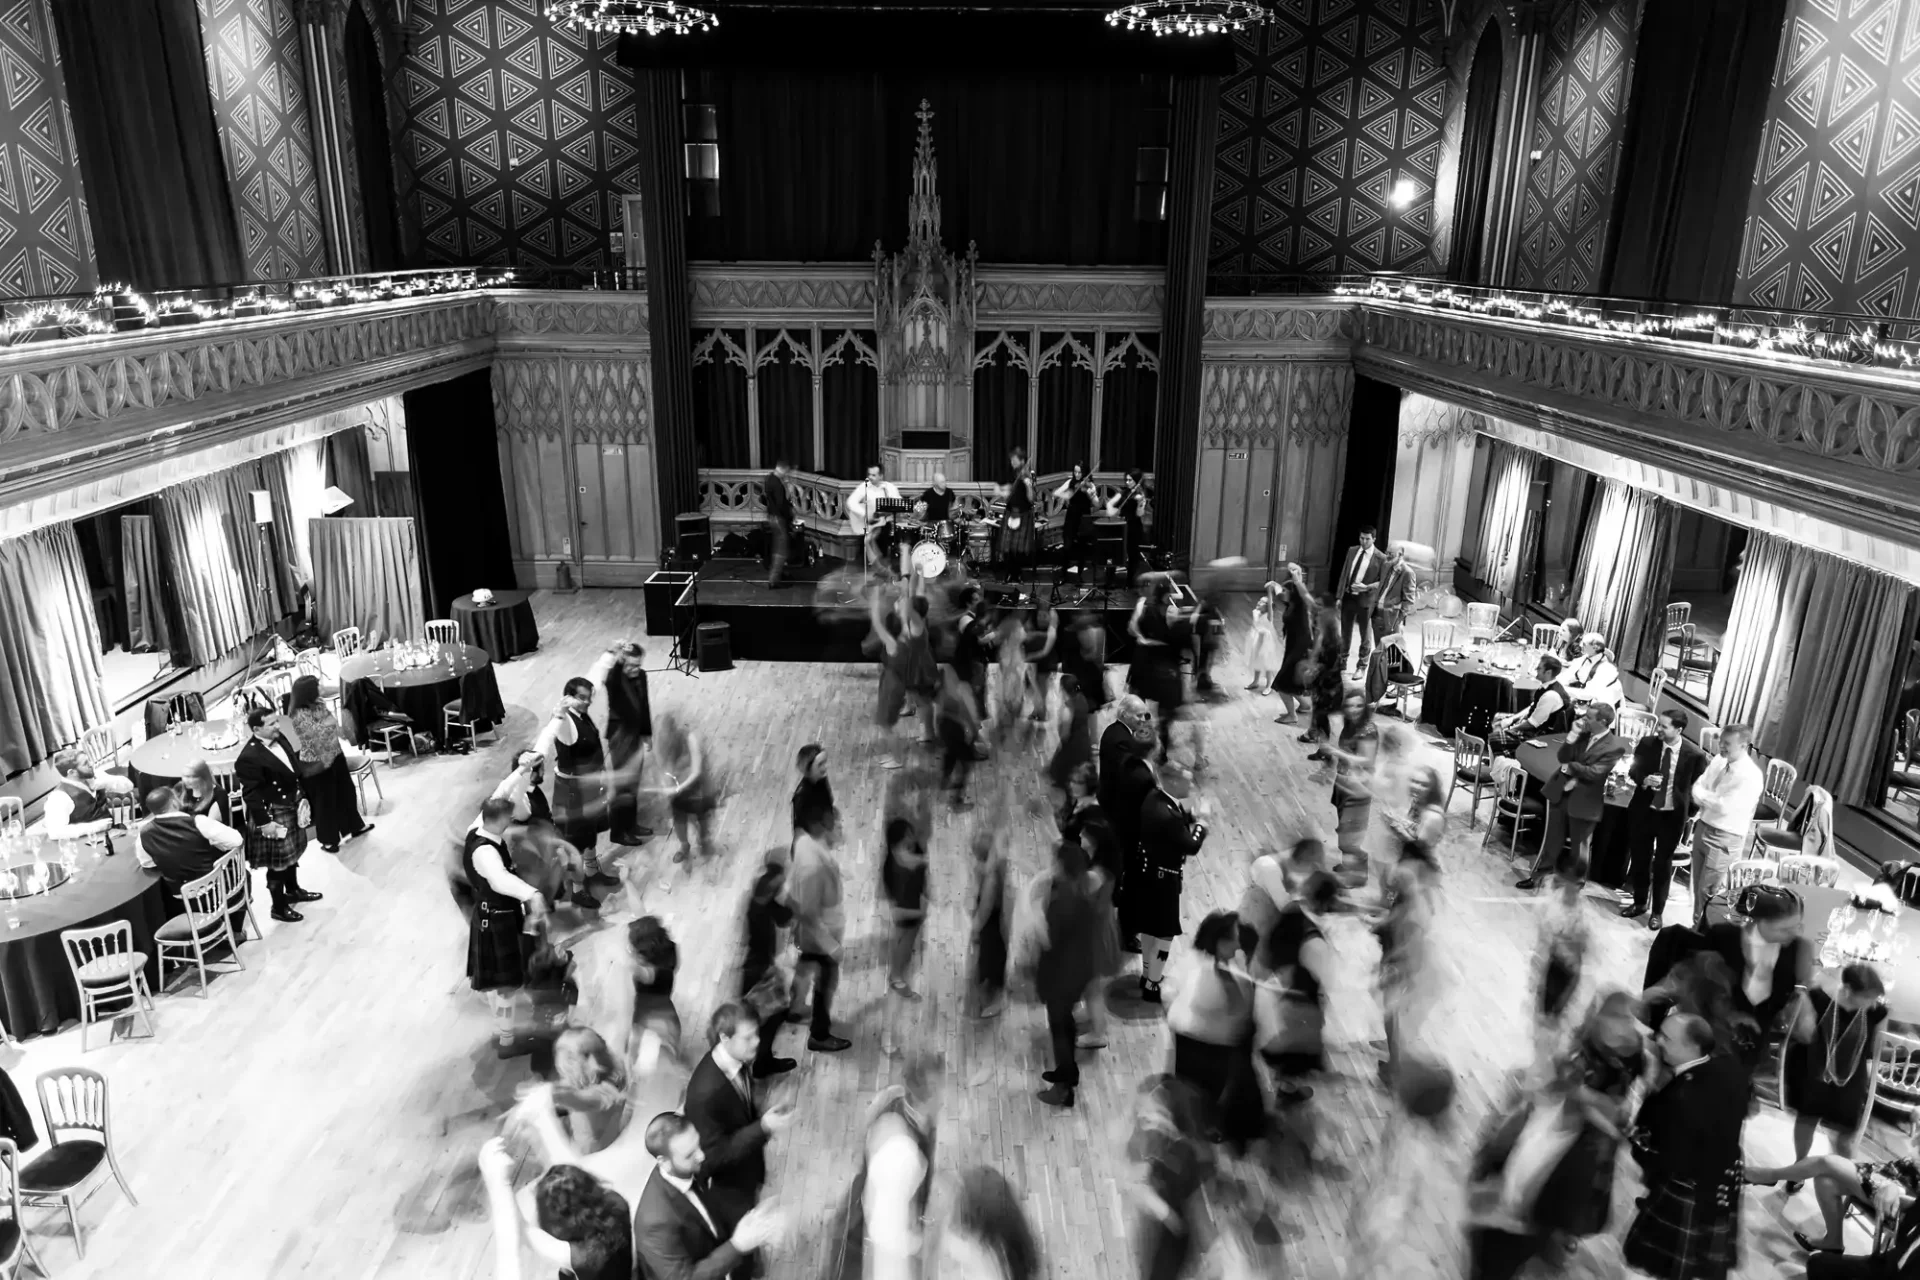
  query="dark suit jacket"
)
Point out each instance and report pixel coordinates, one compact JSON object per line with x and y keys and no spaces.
{"x":265,"y":783}
{"x":1690,"y":1127}
{"x":1584,"y":791}
{"x":1125,"y":780}
{"x":730,"y":1131}
{"x":1167,"y":834}
{"x":779,"y":504}
{"x":1066,"y":964}
{"x":1396,"y":592}
{"x":1692,"y":762}
{"x":1370,"y":580}
{"x":672,"y":1242}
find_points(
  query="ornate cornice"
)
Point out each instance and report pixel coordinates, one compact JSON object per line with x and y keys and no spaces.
{"x":1064,"y":299}
{"x":835,"y":294}
{"x":1261,"y":327}
{"x":1427,"y":423}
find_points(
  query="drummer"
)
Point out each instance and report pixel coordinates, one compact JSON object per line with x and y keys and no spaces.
{"x":935,"y":506}
{"x":862,"y":516}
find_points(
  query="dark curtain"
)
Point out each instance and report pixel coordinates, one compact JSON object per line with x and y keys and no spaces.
{"x":1476,"y":158}
{"x":1189,"y":194}
{"x":1701,"y":79}
{"x":850,"y":413}
{"x":1373,"y":435}
{"x":663,"y":194}
{"x":99,"y":539}
{"x":350,"y":470}
{"x":1129,"y":396}
{"x":785,"y":388}
{"x":1064,"y":432}
{"x":999,"y":412}
{"x":50,"y":687}
{"x":720,"y":405}
{"x":372,"y":144}
{"x":179,"y":649}
{"x":150,"y":162}
{"x":457,"y":494}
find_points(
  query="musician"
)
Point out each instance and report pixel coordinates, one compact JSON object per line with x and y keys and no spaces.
{"x":779,"y":505}
{"x":1130,"y":505}
{"x":1076,"y":530}
{"x":1019,"y":537}
{"x":935,"y":506}
{"x":867,"y":522}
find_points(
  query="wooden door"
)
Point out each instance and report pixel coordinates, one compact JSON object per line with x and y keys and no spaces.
{"x":619,"y":526}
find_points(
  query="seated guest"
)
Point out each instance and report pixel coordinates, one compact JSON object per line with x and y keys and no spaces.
{"x":681,"y":1232}
{"x":77,"y":806}
{"x":1593,"y":677}
{"x":1838,"y":1182}
{"x":1547,"y":714}
{"x":179,"y":845}
{"x":270,"y":796}
{"x":1571,"y":634}
{"x":324,"y":776}
{"x":199,"y":794}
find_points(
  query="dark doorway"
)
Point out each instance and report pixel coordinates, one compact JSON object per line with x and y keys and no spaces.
{"x":372,"y":143}
{"x":1474,"y":191}
{"x":460,"y":507}
{"x":1366,"y":491}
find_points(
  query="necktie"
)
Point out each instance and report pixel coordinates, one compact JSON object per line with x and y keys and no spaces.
{"x":1666,"y":777}
{"x":741,"y":1087}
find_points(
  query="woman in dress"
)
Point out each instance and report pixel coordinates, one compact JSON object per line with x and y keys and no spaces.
{"x":590,"y":1086}
{"x":1210,"y":1012}
{"x":1263,"y":647}
{"x":1408,"y":971}
{"x":1043,"y":658}
{"x":1829,"y":1059}
{"x":1076,"y":739}
{"x":656,"y":962}
{"x":986,"y":1235}
{"x":1353,"y":784}
{"x":1326,"y":686}
{"x":693,"y":791}
{"x":907,"y":668}
{"x":1770,"y":960}
{"x":1084,"y":656}
{"x":1292,"y":611}
{"x":325,"y":779}
{"x":579,"y":1224}
{"x":1010,"y":651}
{"x":988,"y":923}
{"x":1160,"y":635}
{"x":1289,"y":1011}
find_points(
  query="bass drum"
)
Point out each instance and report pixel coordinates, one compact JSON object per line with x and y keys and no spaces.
{"x":928,"y":560}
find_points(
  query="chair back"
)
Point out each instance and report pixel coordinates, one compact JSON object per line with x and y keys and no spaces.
{"x":1678,"y":614}
{"x":186,"y":708}
{"x":1510,"y":783}
{"x":73,"y":1101}
{"x":1780,"y":778}
{"x":13,"y":815}
{"x":227,"y":782}
{"x":84,"y":946}
{"x":1549,"y":636}
{"x":1745,"y":872}
{"x":1400,"y":669}
{"x":1470,"y":752}
{"x":1635,"y":724}
{"x":98,"y":746}
{"x":233,"y":874}
{"x":1896,"y":1070}
{"x":1655,"y":687}
{"x":1804,"y":868}
{"x":1483,"y":619}
{"x":206,"y":900}
{"x":10,"y":1194}
{"x":1912,"y":722}
{"x":346,"y":641}
{"x":443,"y":631}
{"x":307,"y":662}
{"x":1436,"y":635}
{"x":1710,"y":739}
{"x":270,"y":691}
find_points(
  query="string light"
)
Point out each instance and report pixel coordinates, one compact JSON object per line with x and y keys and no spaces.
{"x":632,"y":17}
{"x":1188,"y":17}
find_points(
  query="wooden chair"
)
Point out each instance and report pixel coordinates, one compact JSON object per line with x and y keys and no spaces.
{"x":73,"y":1101}
{"x":1679,"y":613}
{"x":182,"y":708}
{"x":1402,"y":679}
{"x":1436,"y":636}
{"x":1778,"y":786}
{"x":1483,"y":621}
{"x":270,"y":692}
{"x":365,"y":769}
{"x":1472,"y":768}
{"x":1656,"y":686}
{"x":346,"y":642}
{"x":190,"y":938}
{"x":453,"y":719}
{"x":227,"y":782}
{"x":107,"y":969}
{"x":443,"y":631}
{"x":1809,"y":868}
{"x":236,"y":882}
{"x":1696,"y":658}
{"x":1549,"y":636}
{"x":15,"y":1246}
{"x":98,"y":746}
{"x":12,"y":814}
{"x":1511,"y":801}
{"x":1742,"y":872}
{"x":1635,"y":723}
{"x":308,"y":662}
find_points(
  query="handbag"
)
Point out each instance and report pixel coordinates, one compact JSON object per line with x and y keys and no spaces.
{"x":772,"y":993}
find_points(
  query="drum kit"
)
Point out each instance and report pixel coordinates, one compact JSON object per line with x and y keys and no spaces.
{"x":932,"y":549}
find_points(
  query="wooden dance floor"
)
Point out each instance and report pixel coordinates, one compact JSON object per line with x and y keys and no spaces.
{"x":318,"y":1115}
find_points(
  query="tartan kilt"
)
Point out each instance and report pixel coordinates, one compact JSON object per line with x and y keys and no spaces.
{"x":1684,"y":1232}
{"x":1024,"y":541}
{"x":497,"y":947}
{"x":580,"y":809}
{"x":278,"y":853}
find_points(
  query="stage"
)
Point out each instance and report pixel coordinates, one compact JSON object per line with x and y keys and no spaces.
{"x":821,"y":613}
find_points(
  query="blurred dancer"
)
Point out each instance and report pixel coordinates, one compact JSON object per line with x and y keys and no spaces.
{"x":693,"y":788}
{"x":988,"y":922}
{"x":1353,"y":779}
{"x":1172,"y":1162}
{"x":1066,"y":966}
{"x":1161,"y":632}
{"x":762,"y":986}
{"x":1409,"y":977}
{"x":1043,"y":658}
{"x":903,"y":883}
{"x":1263,"y":646}
{"x":1075,"y":749}
{"x":957,"y":726}
{"x":1010,"y":647}
{"x":1084,"y":655}
{"x":907,"y":668}
{"x":622,"y":672}
{"x":986,"y":1235}
{"x":887,"y":1211}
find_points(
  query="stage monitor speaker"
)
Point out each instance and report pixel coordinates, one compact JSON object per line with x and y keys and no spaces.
{"x":661,"y":592}
{"x":1110,"y":541}
{"x":695,"y":540}
{"x":262,"y":506}
{"x":715,"y":646}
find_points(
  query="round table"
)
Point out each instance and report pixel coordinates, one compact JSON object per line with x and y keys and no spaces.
{"x":504,"y":626}
{"x":1467,"y":691}
{"x":163,"y":760}
{"x":1608,"y":857}
{"x":37,"y":991}
{"x":423,"y":692}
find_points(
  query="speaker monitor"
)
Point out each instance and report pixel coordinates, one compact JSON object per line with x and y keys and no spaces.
{"x":715,"y":646}
{"x":662,"y":591}
{"x":262,"y":506}
{"x":695,"y":540}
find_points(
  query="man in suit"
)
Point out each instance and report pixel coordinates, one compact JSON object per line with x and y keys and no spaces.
{"x":1665,"y":767}
{"x":1396,"y":595}
{"x":1126,"y":779}
{"x":1577,"y":795}
{"x":779,"y":505}
{"x":1359,"y":591}
{"x":180,"y":846}
{"x":270,"y":796}
{"x":680,"y":1230}
{"x":622,"y":671}
{"x":733,"y":1129}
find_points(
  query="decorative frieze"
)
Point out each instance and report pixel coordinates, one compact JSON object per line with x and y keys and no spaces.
{"x":1070,"y":299}
{"x":604,"y":315}
{"x":526,"y":398}
{"x":1277,"y":321}
{"x":783,"y":294}
{"x":607,"y":400}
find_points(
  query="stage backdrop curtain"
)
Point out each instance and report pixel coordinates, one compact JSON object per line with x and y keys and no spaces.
{"x":349,"y":468}
{"x":210,"y":545}
{"x":1477,"y":144}
{"x":784,"y":386}
{"x":50,"y":687}
{"x":1624,"y":572}
{"x":999,"y":408}
{"x":1503,"y":517}
{"x":850,"y":410}
{"x":457,"y":492}
{"x":140,"y":584}
{"x":720,"y":400}
{"x":1176,"y":457}
{"x":297,"y":479}
{"x":1064,"y":432}
{"x":1701,"y":79}
{"x":150,"y":163}
{"x":1129,"y":400}
{"x":366,"y":574}
{"x":266,"y":562}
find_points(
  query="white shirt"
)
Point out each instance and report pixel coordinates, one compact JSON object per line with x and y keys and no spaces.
{"x":1594,"y":679}
{"x":56,"y":817}
{"x":1542,"y":1143}
{"x":1544,"y":707}
{"x":895,"y":1170}
{"x":493,"y":869}
{"x":860,"y":502}
{"x":1727,"y":794}
{"x":685,"y":1187}
{"x":279,"y":752}
{"x":218,"y":834}
{"x":1360,"y":563}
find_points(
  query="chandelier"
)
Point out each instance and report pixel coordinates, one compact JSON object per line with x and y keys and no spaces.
{"x":1188,"y":17}
{"x":632,"y":17}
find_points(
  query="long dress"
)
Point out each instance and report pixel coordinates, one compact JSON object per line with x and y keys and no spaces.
{"x":1296,"y":627}
{"x":1263,"y":647}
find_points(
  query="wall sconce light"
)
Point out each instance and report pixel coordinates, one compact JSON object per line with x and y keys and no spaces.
{"x":1404,"y":193}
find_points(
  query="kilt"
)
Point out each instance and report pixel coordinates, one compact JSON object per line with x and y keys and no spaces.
{"x":1686,"y":1232}
{"x":277,"y":853}
{"x":579,"y":809}
{"x":1023,"y":541}
{"x":497,"y":947}
{"x":1149,"y":899}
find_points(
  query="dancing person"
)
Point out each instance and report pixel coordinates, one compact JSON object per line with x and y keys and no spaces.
{"x":693,"y":789}
{"x":1593,"y":677}
{"x":1769,"y":959}
{"x":580,"y":1224}
{"x":180,"y":846}
{"x":896,"y":1177}
{"x":656,"y":964}
{"x":682,"y":1232}
{"x":1209,"y":630}
{"x":907,"y":667}
{"x":1169,"y":835}
{"x":1042,"y":658}
{"x":525,"y":786}
{"x":1084,"y":656}
{"x":778,"y":503}
{"x":1546,"y":714}
{"x":1397,"y":587}
{"x":270,"y":799}
{"x":1326,"y":685}
{"x":987,"y":923}
{"x":1686,"y":1139}
{"x":986,"y":1235}
{"x":734,"y":1129}
{"x":956,"y":724}
{"x":1075,"y":748}
{"x":1292,"y":609}
{"x":622,"y":672}
{"x":1358,"y":591}
{"x":1832,"y":1045}
{"x":1890,"y":1188}
{"x":1210,"y":1013}
{"x":579,"y":770}
{"x":1353,"y":774}
{"x":1085,"y":823}
{"x":497,"y":942}
{"x":1161,"y":633}
{"x":1066,"y":966}
{"x":1289,"y":1009}
{"x":762,"y":987}
{"x":1408,"y":960}
{"x":819,"y":927}
{"x":903,"y":882}
{"x":590,"y":1088}
{"x":1259,"y":906}
{"x":1560,"y":965}
{"x":1665,"y":767}
{"x":1724,"y":802}
{"x":1576,"y":796}
{"x":1263,"y":646}
{"x":325,"y":779}
{"x":1172,"y":1163}
{"x":813,"y":794}
{"x":1010,"y":649}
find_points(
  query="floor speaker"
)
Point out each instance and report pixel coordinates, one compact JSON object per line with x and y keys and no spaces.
{"x":694,"y":542}
{"x":661,"y":591}
{"x":716,"y":646}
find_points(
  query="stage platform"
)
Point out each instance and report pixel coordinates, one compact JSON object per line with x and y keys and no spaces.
{"x":821,"y":613}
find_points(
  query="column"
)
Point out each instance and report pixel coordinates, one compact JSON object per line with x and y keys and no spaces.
{"x":663,"y":203}
{"x":322,"y":75}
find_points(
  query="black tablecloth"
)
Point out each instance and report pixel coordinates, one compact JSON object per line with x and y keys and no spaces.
{"x":504,"y":628}
{"x":37,"y":991}
{"x":1466,"y":694}
{"x":1608,"y":858}
{"x":422,"y":693}
{"x":163,"y":760}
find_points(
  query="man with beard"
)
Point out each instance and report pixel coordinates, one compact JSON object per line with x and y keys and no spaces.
{"x":1126,"y":779}
{"x":622,"y":671}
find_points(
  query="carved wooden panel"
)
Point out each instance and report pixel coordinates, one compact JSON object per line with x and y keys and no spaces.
{"x":1278,"y":321}
{"x":618,"y":315}
{"x":526,"y":398}
{"x":607,"y":399}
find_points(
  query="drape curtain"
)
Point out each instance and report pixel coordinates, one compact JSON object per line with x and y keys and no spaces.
{"x":458,"y":495}
{"x":784,"y":386}
{"x":297,"y":479}
{"x":720,"y":404}
{"x":1503,"y":517}
{"x":223,"y":582}
{"x":349,"y":468}
{"x":999,"y":412}
{"x":1064,"y":432}
{"x":1477,"y":143}
{"x":663,"y":233}
{"x":366,"y":574}
{"x":1176,"y":449}
{"x":50,"y":687}
{"x":850,"y":414}
{"x":1701,"y":80}
{"x":141,"y":585}
{"x":1813,"y":644}
{"x":150,"y":161}
{"x":272,"y":561}
{"x":1373,"y":449}
{"x":372,"y":140}
{"x":1129,"y":399}
{"x":1625,"y":572}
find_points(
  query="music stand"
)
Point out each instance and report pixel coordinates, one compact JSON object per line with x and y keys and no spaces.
{"x":685,"y":657}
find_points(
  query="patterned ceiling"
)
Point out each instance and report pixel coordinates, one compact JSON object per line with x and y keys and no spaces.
{"x":45,"y":244}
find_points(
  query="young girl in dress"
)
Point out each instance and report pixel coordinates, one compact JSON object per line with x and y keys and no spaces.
{"x":1263,"y":647}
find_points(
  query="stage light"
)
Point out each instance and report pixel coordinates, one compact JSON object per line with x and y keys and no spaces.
{"x":1405,"y":192}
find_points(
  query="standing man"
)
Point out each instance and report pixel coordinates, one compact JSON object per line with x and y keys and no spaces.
{"x":1724,"y":801}
{"x":579,"y":770}
{"x":1577,"y":796}
{"x":681,"y":1231}
{"x":779,"y":505}
{"x":1396,"y":595}
{"x":1169,"y":835}
{"x":1359,"y":590}
{"x":497,"y":941}
{"x":270,"y":796}
{"x":1126,"y":780}
{"x":815,"y":892}
{"x":622,"y":670}
{"x":1687,"y":1142}
{"x":861,"y":514}
{"x":1665,"y":767}
{"x":733,"y":1129}
{"x":813,"y":795}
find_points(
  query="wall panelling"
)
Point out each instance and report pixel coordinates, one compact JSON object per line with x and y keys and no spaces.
{"x":45,"y":244}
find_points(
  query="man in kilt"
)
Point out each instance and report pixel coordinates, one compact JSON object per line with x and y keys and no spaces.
{"x":498,"y":946}
{"x":1687,"y":1141}
{"x":579,"y":771}
{"x":275,"y":818}
{"x":1169,"y":835}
